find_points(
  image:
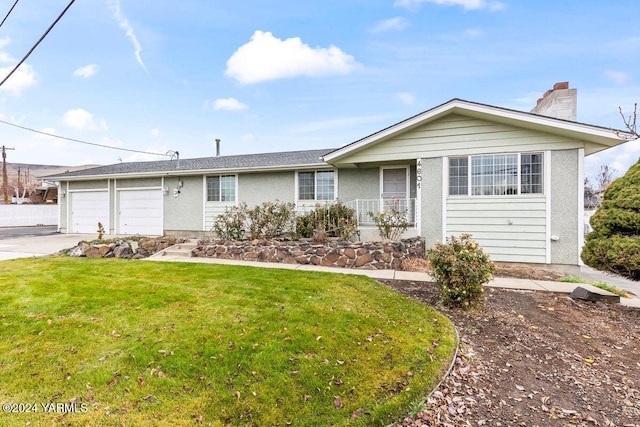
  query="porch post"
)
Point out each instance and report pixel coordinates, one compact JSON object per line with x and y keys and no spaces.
{"x":418,"y":203}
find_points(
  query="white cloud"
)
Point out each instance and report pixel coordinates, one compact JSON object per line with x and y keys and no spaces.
{"x":154,"y":133}
{"x":618,"y":77}
{"x":23,"y":78}
{"x":128,"y":30}
{"x":394,"y":24}
{"x":247,"y":137}
{"x":406,"y":98}
{"x":266,"y":57}
{"x":621,"y":158}
{"x":466,"y":4}
{"x":83,"y":120}
{"x":230,"y":104}
{"x":86,"y":71}
{"x":50,"y":131}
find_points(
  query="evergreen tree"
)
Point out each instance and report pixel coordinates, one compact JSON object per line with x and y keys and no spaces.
{"x":614,"y":244}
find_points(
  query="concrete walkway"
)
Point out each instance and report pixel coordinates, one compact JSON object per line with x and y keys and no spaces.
{"x":173,"y":255}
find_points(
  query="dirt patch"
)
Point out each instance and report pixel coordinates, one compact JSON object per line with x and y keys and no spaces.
{"x":532,"y":358}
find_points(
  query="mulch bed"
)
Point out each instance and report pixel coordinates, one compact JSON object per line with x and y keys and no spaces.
{"x":530,"y":358}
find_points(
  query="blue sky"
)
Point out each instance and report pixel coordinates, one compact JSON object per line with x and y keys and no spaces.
{"x":285,"y":75}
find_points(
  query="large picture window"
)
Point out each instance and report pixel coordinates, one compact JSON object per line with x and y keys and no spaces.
{"x":496,"y":174}
{"x":318,"y":185}
{"x":221,"y":188}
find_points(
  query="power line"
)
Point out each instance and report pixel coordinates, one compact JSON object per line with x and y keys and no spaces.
{"x":86,"y":142}
{"x":9,"y":13}
{"x":38,"y":42}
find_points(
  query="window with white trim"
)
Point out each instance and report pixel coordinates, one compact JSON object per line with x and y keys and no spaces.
{"x":496,"y":174}
{"x":316,"y":185}
{"x":221,"y":188}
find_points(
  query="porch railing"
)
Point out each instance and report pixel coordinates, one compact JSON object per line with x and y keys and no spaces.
{"x":364,"y":206}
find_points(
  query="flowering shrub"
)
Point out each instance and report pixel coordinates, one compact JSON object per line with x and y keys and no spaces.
{"x":271,"y":219}
{"x":335,"y":220}
{"x":460,"y":268}
{"x":392,"y":222}
{"x":230,"y":224}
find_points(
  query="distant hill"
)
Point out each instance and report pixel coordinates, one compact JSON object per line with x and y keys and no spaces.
{"x":34,"y":172}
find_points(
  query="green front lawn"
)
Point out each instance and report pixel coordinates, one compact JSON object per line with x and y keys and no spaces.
{"x":151,"y":344}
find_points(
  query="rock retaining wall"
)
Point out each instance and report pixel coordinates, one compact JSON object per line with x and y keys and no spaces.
{"x":368,"y":255}
{"x":135,"y":249}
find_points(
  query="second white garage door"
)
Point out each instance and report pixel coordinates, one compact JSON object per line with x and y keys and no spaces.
{"x":140,"y":212}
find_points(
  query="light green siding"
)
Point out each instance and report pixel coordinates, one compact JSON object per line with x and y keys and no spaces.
{"x":565,"y":213}
{"x":212,"y":210}
{"x":456,"y":134}
{"x":509,"y":228}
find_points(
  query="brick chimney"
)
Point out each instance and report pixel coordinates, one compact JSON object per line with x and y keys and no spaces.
{"x":559,"y":102}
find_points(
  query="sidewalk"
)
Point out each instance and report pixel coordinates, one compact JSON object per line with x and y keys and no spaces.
{"x":498,"y":282}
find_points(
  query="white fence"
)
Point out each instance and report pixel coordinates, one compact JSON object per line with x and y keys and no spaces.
{"x":28,"y":215}
{"x":364,"y":207}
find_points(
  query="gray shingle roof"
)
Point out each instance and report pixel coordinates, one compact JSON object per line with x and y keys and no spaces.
{"x":205,"y":164}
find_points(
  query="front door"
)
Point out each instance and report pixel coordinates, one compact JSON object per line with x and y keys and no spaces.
{"x":394,"y":183}
{"x":395,"y":188}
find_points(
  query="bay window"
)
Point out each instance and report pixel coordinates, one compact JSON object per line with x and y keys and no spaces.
{"x":496,"y":174}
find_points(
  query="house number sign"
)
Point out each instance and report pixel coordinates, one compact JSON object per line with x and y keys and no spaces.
{"x":419,"y":174}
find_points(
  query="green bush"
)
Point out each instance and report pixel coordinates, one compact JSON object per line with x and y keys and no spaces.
{"x":614,"y":243}
{"x":391,"y":222}
{"x":615,"y":253}
{"x":334,"y":220}
{"x":271,"y":219}
{"x":230,"y":225}
{"x":460,"y":268}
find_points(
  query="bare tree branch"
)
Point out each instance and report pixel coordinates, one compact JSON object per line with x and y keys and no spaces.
{"x":630,"y":122}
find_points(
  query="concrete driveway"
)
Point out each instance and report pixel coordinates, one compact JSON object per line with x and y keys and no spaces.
{"x":32,"y":246}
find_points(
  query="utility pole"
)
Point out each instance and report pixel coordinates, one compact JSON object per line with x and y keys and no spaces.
{"x":5,"y":184}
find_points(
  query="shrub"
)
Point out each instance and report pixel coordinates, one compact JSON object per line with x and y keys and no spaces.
{"x":391,"y":222}
{"x":460,"y":268}
{"x":100,"y":231}
{"x":230,"y":225}
{"x":614,"y":243}
{"x":271,"y":219}
{"x":334,"y":220}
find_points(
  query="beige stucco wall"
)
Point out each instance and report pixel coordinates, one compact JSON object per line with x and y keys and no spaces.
{"x":139,"y":182}
{"x":255,"y":188}
{"x":565,"y":215}
{"x":362,"y":183}
{"x":185,"y":211}
{"x":431,"y":201}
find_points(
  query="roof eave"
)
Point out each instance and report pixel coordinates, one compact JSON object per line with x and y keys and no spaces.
{"x":595,"y":134}
{"x":59,"y":178}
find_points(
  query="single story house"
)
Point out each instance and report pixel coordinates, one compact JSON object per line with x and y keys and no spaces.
{"x":512,"y":179}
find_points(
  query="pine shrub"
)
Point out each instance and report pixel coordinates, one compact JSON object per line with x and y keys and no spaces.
{"x":614,"y":243}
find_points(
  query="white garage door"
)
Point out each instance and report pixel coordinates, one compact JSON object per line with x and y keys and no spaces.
{"x":140,"y":212}
{"x":87,"y":209}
